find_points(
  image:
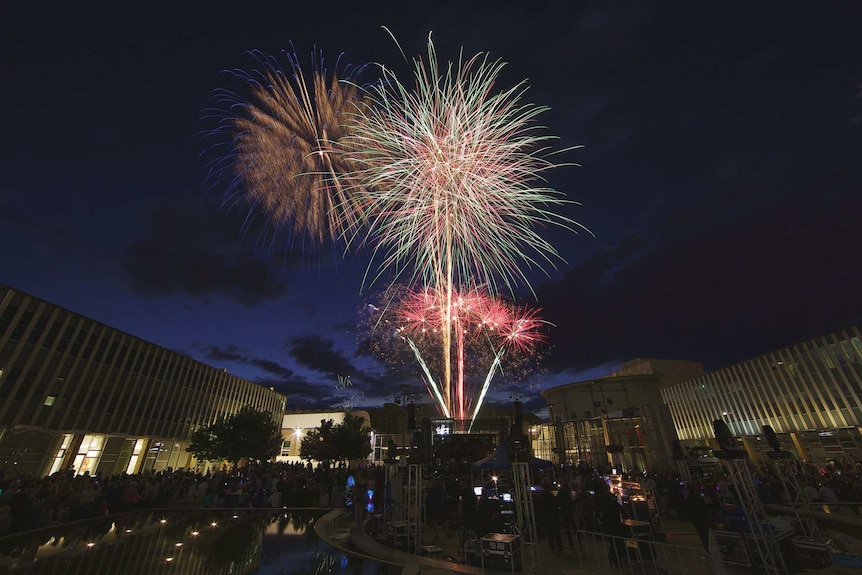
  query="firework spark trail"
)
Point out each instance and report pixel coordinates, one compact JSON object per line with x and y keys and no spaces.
{"x":282,"y":141}
{"x":447,"y":174}
{"x":473,"y":316}
{"x":487,"y":384}
{"x":431,"y":383}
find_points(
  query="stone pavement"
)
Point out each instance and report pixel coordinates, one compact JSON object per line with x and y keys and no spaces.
{"x":449,"y":558}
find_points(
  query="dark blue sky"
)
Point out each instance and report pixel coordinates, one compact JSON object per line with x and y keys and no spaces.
{"x":720,"y":174}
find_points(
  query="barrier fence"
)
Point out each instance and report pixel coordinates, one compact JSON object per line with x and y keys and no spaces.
{"x":606,"y":554}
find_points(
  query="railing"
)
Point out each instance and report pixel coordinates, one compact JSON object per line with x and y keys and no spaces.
{"x":606,"y":554}
{"x":335,"y":526}
{"x":849,"y":508}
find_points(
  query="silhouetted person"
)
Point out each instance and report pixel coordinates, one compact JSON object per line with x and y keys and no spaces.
{"x":610,"y":515}
{"x":485,"y":512}
{"x":468,"y":503}
{"x":435,"y":506}
{"x":567,"y":512}
{"x":549,"y":515}
{"x":699,"y":514}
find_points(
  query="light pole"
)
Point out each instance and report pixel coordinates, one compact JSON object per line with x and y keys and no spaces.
{"x":611,"y":449}
{"x":559,"y":438}
{"x":406,"y":399}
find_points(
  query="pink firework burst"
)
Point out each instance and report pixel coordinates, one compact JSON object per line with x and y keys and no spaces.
{"x":485,"y":331}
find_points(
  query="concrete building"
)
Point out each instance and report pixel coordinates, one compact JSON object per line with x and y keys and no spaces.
{"x":809,"y":393}
{"x":75,"y":392}
{"x":623,"y":411}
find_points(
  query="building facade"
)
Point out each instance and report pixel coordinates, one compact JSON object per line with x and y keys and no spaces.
{"x":623,"y":411}
{"x":810,"y":393}
{"x":296,"y":425}
{"x":77,"y":393}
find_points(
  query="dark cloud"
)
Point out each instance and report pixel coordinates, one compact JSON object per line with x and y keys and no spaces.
{"x":303,"y":394}
{"x":318,"y":353}
{"x":229,"y":352}
{"x":234,"y":353}
{"x":185,"y":252}
{"x":272,"y":367}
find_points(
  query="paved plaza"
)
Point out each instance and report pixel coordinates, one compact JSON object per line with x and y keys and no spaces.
{"x":590,"y":557}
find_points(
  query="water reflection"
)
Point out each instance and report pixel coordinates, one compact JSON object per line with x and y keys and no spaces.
{"x":187,"y":542}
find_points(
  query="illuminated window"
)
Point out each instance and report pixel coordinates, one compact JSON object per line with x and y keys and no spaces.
{"x":49,"y":401}
{"x":61,"y":454}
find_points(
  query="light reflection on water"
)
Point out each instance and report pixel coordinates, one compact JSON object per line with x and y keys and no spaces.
{"x":187,"y":542}
{"x":294,"y":549}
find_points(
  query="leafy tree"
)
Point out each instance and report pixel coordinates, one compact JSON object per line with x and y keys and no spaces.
{"x":331,"y":442}
{"x":248,"y":434}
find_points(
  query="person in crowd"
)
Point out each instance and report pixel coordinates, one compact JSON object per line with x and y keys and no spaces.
{"x":487,"y":508}
{"x":610,"y":518}
{"x":435,"y":507}
{"x":700,"y":513}
{"x":567,"y":511}
{"x":468,"y":503}
{"x":810,"y":492}
{"x":548,"y":511}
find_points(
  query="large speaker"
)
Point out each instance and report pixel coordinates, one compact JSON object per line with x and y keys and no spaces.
{"x":771,"y":439}
{"x":726,"y":440}
{"x":676,"y":449}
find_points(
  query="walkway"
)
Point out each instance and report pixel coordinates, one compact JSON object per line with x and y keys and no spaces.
{"x":566,"y":562}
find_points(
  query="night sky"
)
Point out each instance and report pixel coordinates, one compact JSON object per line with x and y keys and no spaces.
{"x":720,"y":175}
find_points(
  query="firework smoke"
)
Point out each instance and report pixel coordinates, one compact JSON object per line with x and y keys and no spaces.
{"x":281,"y":155}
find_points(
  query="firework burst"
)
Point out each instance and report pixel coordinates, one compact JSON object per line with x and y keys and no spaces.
{"x":279,"y":146}
{"x":449,"y":172}
{"x":488,"y":334}
{"x":451,"y":180}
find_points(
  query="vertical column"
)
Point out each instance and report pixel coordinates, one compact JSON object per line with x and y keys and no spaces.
{"x":750,"y":446}
{"x":72,"y":451}
{"x":800,"y":449}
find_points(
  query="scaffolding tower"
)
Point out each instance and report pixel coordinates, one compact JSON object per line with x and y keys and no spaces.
{"x":735,"y":463}
{"x":525,"y":517}
{"x":392,"y":508}
{"x":783,"y":469}
{"x":414,"y":507}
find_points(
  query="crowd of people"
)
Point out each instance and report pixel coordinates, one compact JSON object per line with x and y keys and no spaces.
{"x":565,"y":502}
{"x":580,"y":499}
{"x":28,"y":502}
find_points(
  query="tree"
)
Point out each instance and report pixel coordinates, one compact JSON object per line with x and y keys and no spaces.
{"x":345,"y":441}
{"x":389,"y":419}
{"x":248,"y":434}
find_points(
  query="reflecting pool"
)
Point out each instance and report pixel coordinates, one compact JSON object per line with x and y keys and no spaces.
{"x":187,"y":542}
